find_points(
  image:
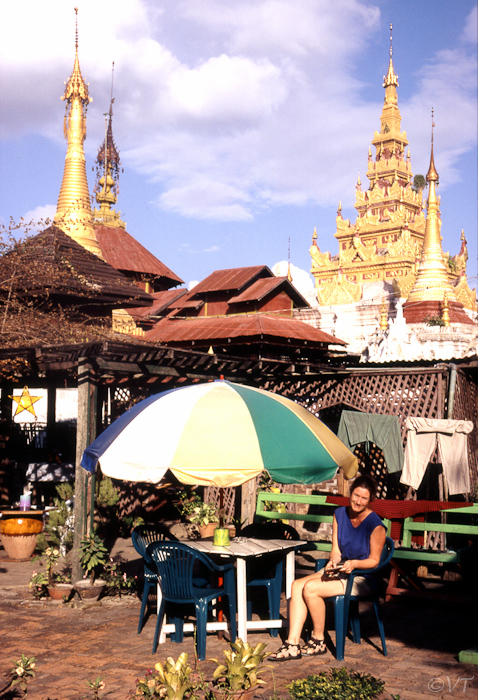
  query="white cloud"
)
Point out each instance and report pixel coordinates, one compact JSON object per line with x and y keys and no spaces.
{"x":228,"y":89}
{"x":301,"y":279}
{"x":229,"y":108}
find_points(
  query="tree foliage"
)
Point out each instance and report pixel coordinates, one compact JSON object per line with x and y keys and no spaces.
{"x":44,"y":298}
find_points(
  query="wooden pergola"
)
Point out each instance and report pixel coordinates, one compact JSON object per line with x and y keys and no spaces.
{"x":435,"y":391}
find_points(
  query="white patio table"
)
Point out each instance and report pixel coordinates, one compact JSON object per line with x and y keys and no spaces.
{"x":243,"y":550}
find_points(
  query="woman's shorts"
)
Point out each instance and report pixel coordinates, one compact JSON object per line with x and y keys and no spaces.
{"x":360,"y":585}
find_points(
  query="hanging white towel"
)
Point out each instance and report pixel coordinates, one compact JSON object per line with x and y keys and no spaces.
{"x":422,"y":437}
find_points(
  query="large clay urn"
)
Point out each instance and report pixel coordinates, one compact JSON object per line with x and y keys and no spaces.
{"x":18,"y":532}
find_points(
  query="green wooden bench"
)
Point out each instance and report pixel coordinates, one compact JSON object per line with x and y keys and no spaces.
{"x":265,"y":499}
{"x":405,"y":551}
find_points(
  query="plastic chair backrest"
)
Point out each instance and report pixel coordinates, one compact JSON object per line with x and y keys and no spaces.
{"x":175,"y":563}
{"x":143,"y":535}
{"x":385,"y":557}
{"x":270,"y":531}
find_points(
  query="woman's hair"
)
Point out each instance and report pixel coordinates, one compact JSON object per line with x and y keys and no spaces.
{"x":365,"y":482}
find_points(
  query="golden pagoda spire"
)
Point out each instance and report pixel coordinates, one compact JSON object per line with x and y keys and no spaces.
{"x":73,"y":212}
{"x":107,"y":172}
{"x":391,"y":79}
{"x":432,"y":283}
{"x":289,"y":273}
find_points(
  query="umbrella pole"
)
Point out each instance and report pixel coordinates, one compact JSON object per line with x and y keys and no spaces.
{"x":221,"y":507}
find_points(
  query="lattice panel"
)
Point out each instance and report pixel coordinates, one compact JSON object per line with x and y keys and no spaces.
{"x":398,"y":393}
{"x":212,"y":494}
{"x":402,"y":394}
{"x":465,"y":407}
{"x":374,"y":464}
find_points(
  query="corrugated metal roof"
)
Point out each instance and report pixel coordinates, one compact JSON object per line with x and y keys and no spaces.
{"x":75,"y":272}
{"x":229,"y":280}
{"x":124,"y":252}
{"x":161,"y":302}
{"x":214,"y":329}
{"x":262,"y":287}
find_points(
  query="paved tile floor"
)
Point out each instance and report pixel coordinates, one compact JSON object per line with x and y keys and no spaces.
{"x":77,"y":642}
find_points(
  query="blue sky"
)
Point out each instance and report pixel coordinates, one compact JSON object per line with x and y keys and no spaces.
{"x":240,"y":125}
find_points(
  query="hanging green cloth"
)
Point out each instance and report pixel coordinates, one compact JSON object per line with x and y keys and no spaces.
{"x":384,"y":431}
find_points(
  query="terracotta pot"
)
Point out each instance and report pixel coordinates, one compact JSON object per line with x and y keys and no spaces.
{"x":90,"y":591}
{"x":207,"y":530}
{"x":60,"y":592}
{"x":18,"y":532}
{"x":225,"y":693}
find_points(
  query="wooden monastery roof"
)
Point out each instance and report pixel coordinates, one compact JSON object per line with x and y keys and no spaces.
{"x":162,"y":302}
{"x":262,"y":287}
{"x":53,"y":264}
{"x":230,"y":280}
{"x":124,"y":252}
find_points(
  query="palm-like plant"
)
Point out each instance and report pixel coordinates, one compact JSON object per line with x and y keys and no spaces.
{"x":94,"y":555}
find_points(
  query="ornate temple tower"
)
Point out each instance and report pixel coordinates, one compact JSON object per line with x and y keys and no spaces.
{"x":73,"y":213}
{"x":384,"y":243}
{"x":432,"y":295}
{"x":107,"y":176}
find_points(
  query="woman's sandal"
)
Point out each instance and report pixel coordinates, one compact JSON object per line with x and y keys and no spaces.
{"x":314,"y":647}
{"x":285,"y":650}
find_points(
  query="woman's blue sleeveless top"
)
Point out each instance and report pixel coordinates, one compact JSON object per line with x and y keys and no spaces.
{"x":354,"y":542}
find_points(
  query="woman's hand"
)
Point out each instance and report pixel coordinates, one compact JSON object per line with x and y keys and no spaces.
{"x":332,"y":564}
{"x":349,"y":566}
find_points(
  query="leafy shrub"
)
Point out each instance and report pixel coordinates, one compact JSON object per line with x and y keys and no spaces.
{"x":117,"y":581}
{"x":60,"y":523}
{"x":336,"y":684}
{"x":93,"y":555}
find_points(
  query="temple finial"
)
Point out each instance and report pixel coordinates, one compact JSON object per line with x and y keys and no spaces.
{"x":107,"y":173}
{"x":76,"y":28}
{"x":432,"y":172}
{"x":391,"y":79}
{"x":289,"y":274}
{"x":112,"y":79}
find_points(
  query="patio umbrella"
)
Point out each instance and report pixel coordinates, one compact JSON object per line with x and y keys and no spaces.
{"x":220,"y":434}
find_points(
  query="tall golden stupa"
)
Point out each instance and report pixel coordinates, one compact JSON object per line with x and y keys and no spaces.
{"x":384,"y":244}
{"x":432,"y":295}
{"x":73,"y":213}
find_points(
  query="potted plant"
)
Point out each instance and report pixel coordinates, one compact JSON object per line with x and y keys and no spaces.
{"x":238,"y":676}
{"x":59,"y":585}
{"x":172,"y":681}
{"x":93,"y":557}
{"x":203,"y":515}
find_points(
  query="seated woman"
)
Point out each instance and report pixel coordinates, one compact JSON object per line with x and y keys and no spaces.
{"x":358,"y":537}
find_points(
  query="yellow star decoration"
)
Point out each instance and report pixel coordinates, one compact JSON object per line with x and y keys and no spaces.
{"x":25,"y":402}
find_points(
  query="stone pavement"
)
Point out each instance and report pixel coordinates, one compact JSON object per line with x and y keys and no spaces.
{"x":77,"y":642}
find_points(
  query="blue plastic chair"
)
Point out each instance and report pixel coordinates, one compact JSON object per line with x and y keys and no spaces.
{"x":142,"y":536}
{"x":346,"y":606}
{"x":270,"y":570}
{"x":176,"y":563}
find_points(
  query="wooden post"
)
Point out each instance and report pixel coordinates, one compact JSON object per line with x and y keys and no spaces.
{"x":248,"y":502}
{"x":50,"y":419}
{"x":85,"y":434}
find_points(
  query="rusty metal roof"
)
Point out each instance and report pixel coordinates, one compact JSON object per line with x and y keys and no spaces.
{"x":234,"y":279}
{"x":212,"y":329}
{"x":162,"y":301}
{"x":262,"y":287}
{"x":124,"y":252}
